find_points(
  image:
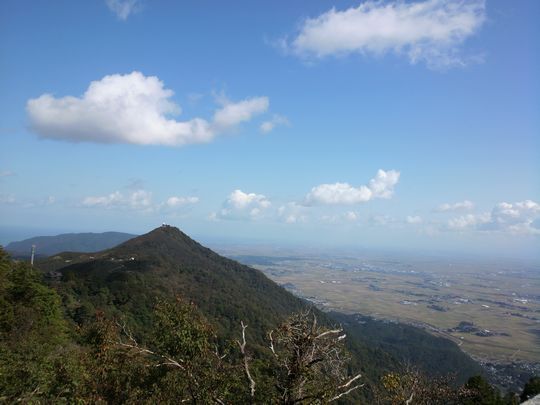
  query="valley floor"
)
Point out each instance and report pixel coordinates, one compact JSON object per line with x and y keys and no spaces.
{"x":491,"y":310}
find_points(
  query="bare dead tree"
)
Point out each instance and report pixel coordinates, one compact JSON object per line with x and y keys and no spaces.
{"x":310,"y":365}
{"x":164,"y":360}
{"x":134,"y":345}
{"x":242,"y":346}
{"x":312,"y":360}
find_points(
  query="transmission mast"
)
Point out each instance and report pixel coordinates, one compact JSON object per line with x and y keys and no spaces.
{"x":32,"y":256}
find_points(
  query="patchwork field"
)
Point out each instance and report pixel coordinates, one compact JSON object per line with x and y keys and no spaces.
{"x":492,"y":310}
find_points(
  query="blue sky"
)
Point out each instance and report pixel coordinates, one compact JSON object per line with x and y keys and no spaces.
{"x":380,"y":124}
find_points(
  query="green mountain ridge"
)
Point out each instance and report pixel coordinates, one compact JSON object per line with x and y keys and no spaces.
{"x":125,"y":281}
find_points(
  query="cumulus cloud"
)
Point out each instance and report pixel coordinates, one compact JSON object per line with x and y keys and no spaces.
{"x":430,"y":31}
{"x":292,"y":213}
{"x":459,"y":206}
{"x":338,"y":193}
{"x":277,"y":120}
{"x":518,"y":218}
{"x":136,"y":200}
{"x":468,"y":221}
{"x":177,"y":201}
{"x":123,"y":8}
{"x":241,"y":205}
{"x":132,"y":108}
{"x":232,"y":114}
{"x":381,"y":186}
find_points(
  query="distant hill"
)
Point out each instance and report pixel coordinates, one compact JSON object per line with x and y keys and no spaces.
{"x":72,"y":242}
{"x":125,"y":281}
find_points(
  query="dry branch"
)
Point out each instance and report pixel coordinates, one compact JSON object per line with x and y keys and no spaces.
{"x":242,"y":346}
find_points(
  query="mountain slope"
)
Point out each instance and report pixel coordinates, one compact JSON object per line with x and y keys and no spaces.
{"x":129,"y":278}
{"x":73,"y":242}
{"x":125,"y":282}
{"x":411,"y":345}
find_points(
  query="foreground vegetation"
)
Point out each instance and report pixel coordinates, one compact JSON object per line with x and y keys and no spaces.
{"x":45,"y":356}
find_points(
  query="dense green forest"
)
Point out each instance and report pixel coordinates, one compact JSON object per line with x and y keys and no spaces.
{"x":161,"y":319}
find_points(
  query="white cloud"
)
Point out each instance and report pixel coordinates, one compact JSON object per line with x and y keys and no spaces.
{"x":468,"y":221}
{"x":131,"y":108}
{"x":292,"y":213}
{"x":123,"y":8}
{"x":232,"y":114}
{"x":382,"y":186}
{"x":103,"y":201}
{"x":413,"y":220}
{"x":241,"y":205}
{"x":177,"y":201}
{"x":431,"y":31}
{"x":518,"y":218}
{"x":136,"y":200}
{"x":459,"y":206}
{"x":338,"y":193}
{"x":277,"y":120}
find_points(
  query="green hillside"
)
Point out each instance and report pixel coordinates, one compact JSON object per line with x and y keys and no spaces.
{"x":126,"y":281}
{"x":82,"y":299}
{"x":410,"y":345}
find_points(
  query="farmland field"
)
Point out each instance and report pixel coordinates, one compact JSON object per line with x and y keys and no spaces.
{"x":492,"y":310}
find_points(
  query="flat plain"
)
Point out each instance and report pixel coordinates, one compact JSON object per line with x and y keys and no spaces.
{"x":492,"y":310}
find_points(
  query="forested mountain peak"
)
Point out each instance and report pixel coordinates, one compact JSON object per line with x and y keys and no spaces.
{"x":166,"y":242}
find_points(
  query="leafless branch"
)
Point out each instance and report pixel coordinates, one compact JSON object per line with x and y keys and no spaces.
{"x":272,"y":343}
{"x":407,"y":402}
{"x":328,"y":332}
{"x":346,"y":392}
{"x":168,"y":361}
{"x":135,"y":346}
{"x":220,"y":357}
{"x":356,"y":377}
{"x":242,"y":346}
